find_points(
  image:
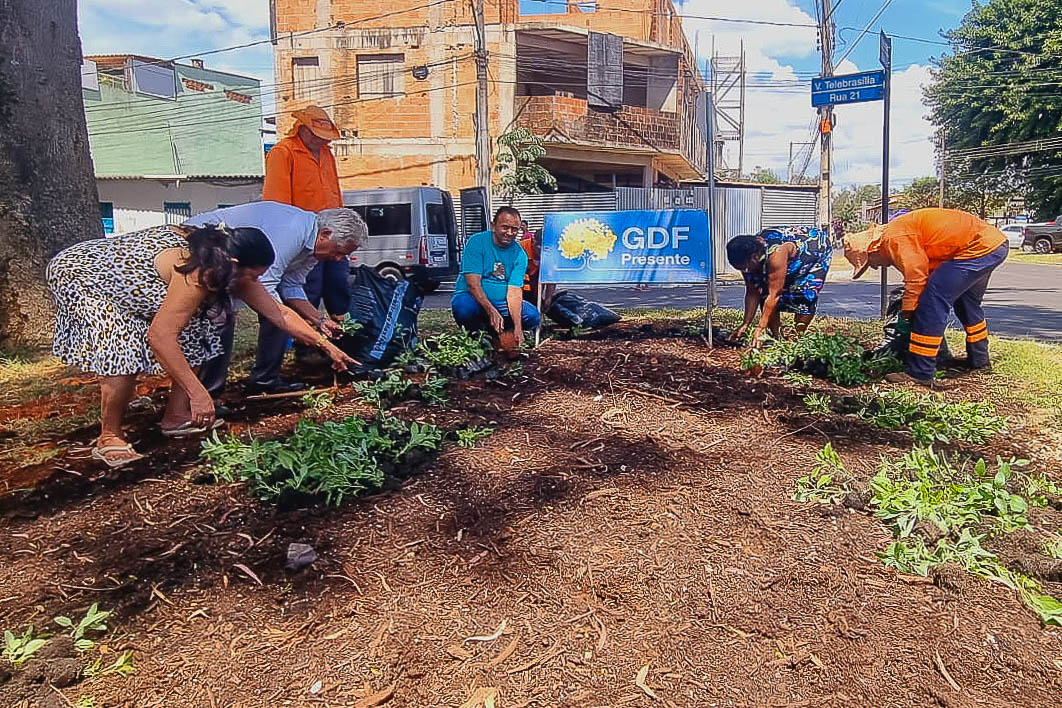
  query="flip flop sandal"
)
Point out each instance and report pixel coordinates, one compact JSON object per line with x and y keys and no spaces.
{"x":188,"y":428}
{"x":100,"y":453}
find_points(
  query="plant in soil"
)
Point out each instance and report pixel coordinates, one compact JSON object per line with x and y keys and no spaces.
{"x":384,"y":392}
{"x":834,"y":357}
{"x":350,"y":325}
{"x":929,"y":417}
{"x":828,"y":481}
{"x":799,"y":380}
{"x":94,"y":621}
{"x":433,"y":390}
{"x":454,"y":350}
{"x":468,"y":437}
{"x":331,"y":461}
{"x":122,"y":665}
{"x":19,"y":648}
{"x":819,"y":404}
{"x":317,"y":401}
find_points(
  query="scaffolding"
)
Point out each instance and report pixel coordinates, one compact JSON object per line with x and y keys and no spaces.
{"x":727,"y":74}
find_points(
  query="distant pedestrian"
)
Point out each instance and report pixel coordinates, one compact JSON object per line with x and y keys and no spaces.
{"x":301,"y":171}
{"x":784,"y":268}
{"x":947,"y":257}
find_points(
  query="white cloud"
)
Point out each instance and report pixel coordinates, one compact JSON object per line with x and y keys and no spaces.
{"x":779,"y":113}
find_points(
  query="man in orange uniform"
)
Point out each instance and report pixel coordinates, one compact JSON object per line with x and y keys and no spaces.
{"x":301,"y":171}
{"x":946,"y":257}
{"x":532,"y":246}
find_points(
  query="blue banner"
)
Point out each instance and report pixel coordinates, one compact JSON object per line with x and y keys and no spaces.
{"x":626,"y":247}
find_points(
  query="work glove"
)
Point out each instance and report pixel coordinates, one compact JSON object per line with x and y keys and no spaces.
{"x":903,"y":327}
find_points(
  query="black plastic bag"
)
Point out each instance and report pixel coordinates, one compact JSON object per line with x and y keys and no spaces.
{"x":387,"y":312}
{"x":896,"y":342}
{"x":570,"y":310}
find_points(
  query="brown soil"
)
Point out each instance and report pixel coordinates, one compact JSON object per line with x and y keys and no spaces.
{"x":631,"y":510}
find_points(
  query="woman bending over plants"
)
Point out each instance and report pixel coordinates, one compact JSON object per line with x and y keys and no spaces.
{"x":784,"y":268}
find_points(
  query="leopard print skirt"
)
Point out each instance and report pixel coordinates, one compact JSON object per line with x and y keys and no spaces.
{"x":107,"y":291}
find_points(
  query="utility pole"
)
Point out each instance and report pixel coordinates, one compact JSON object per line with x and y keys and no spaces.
{"x":480,"y":120}
{"x":826,"y":116}
{"x":943,"y":163}
{"x":885,"y":56}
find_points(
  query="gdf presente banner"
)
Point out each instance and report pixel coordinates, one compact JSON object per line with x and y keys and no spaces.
{"x":626,"y":247}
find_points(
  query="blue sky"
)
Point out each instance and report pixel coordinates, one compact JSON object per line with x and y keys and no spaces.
{"x":777,"y":110}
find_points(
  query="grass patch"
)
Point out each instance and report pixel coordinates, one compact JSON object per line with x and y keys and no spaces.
{"x":28,"y":375}
{"x":1037,"y":258}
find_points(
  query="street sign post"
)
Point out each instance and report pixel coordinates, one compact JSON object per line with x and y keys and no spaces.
{"x":850,"y":88}
{"x":885,"y":55}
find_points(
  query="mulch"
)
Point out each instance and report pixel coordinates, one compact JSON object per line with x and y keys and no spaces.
{"x":625,"y":537}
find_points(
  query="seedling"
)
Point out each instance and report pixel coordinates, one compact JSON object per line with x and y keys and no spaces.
{"x":350,"y":325}
{"x":433,"y":390}
{"x":799,"y":380}
{"x":455,"y":349}
{"x":85,"y":702}
{"x":577,"y":331}
{"x":317,"y":401}
{"x":468,"y":437}
{"x":820,"y":404}
{"x":19,"y":648}
{"x":823,"y":484}
{"x":929,"y":418}
{"x":93,"y":621}
{"x":382,"y":393}
{"x":122,"y":665}
{"x":1053,"y":546}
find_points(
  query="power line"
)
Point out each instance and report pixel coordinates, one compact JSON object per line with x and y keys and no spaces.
{"x":866,"y":29}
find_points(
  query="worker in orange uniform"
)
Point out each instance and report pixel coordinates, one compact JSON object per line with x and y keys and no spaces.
{"x":301,"y":171}
{"x":532,"y":245}
{"x":946,"y":257}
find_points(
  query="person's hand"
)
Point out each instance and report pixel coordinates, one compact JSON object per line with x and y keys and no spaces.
{"x":757,"y":338}
{"x":497,"y":322}
{"x":518,"y":333}
{"x":340,"y":360}
{"x":739,"y":333}
{"x":330,"y":328}
{"x":339,"y":318}
{"x":202,"y":406}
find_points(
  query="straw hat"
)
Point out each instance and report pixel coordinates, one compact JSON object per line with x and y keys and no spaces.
{"x":318,"y":122}
{"x":857,"y":247}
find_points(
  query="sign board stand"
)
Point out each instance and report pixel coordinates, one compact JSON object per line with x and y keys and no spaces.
{"x":709,"y":305}
{"x":885,"y":55}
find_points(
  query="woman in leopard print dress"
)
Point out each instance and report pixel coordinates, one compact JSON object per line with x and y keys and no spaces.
{"x":150,"y":301}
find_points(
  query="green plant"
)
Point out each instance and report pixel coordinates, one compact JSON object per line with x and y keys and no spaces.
{"x":798,"y":379}
{"x":433,"y":390}
{"x":93,"y":621}
{"x":19,"y":648}
{"x":381,"y":393}
{"x":407,"y":358}
{"x":85,"y":701}
{"x":1038,"y":486}
{"x":350,"y":325}
{"x":330,"y":460}
{"x":1053,"y":546}
{"x":577,"y":331}
{"x":823,"y":483}
{"x":820,"y":404}
{"x":317,"y":401}
{"x":515,"y":370}
{"x":468,"y":437}
{"x":453,"y":350}
{"x":122,"y":665}
{"x":929,"y":418}
{"x":519,"y":150}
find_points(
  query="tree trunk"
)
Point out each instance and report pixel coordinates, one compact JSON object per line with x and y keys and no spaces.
{"x":48,"y":196}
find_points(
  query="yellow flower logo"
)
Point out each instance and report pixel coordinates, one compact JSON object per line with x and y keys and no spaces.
{"x":587,"y":237}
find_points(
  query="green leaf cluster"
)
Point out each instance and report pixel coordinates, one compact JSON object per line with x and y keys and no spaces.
{"x":929,"y":417}
{"x":453,"y":350}
{"x":822,"y":484}
{"x":516,"y":160}
{"x":93,"y":621}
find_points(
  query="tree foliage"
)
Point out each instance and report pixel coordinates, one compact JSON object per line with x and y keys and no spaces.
{"x":999,"y":85}
{"x":764,"y":175}
{"x":979,"y":194}
{"x":517,"y":161}
{"x":847,"y":206}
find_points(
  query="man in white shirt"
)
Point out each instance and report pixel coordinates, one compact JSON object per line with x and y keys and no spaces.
{"x":300,"y":239}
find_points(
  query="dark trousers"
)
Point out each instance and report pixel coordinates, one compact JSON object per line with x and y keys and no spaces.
{"x":954,"y":284}
{"x":328,"y":281}
{"x":469,"y":314}
{"x":272,"y":342}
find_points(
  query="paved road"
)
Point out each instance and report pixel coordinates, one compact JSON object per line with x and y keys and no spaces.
{"x":1022,"y":300}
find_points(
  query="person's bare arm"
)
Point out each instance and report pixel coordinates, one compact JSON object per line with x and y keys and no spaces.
{"x":314,"y":318}
{"x":752,"y":304}
{"x":514,"y":298}
{"x":184,"y":297}
{"x":777,"y":264}
{"x":291,"y":322}
{"x":475,"y":289}
{"x":548,"y":291}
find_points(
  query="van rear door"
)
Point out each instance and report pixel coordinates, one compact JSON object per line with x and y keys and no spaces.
{"x":438,"y":235}
{"x":475,"y":211}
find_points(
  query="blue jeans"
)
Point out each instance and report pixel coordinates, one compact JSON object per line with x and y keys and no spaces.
{"x":468,"y":313}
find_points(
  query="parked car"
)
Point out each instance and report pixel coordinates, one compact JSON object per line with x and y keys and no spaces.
{"x":1043,"y":238}
{"x":1015,"y":234}
{"x":413,"y":232}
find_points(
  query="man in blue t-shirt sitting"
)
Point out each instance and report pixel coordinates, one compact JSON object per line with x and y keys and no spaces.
{"x":490,"y":285}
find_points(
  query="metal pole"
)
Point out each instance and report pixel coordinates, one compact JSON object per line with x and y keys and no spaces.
{"x":481,"y":115}
{"x":826,"y":116}
{"x":885,"y":176}
{"x":538,"y":304}
{"x":709,"y":305}
{"x":943,"y":163}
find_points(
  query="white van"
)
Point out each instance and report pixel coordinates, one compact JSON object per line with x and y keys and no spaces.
{"x":413,"y":232}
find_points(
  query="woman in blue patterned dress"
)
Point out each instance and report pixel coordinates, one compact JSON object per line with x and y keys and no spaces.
{"x":784,"y":269}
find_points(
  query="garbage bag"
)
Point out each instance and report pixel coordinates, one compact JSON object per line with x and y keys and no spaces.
{"x":897,"y":333}
{"x":570,"y":310}
{"x":387,"y":312}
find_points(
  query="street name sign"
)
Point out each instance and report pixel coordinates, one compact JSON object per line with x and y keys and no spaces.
{"x":850,"y":88}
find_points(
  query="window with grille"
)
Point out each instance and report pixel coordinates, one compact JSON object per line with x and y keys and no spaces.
{"x":177,"y":212}
{"x":305,"y":77}
{"x":381,"y":74}
{"x":107,"y":216}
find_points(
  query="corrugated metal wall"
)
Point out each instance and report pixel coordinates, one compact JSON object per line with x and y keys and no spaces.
{"x":782,"y":207}
{"x":533,"y":207}
{"x":740,"y":213}
{"x":628,"y":198}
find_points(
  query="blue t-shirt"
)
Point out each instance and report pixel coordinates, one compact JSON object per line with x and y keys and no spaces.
{"x":500,"y":267}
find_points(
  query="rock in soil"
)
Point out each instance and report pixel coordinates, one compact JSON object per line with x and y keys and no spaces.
{"x":300,"y":555}
{"x":63,"y":672}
